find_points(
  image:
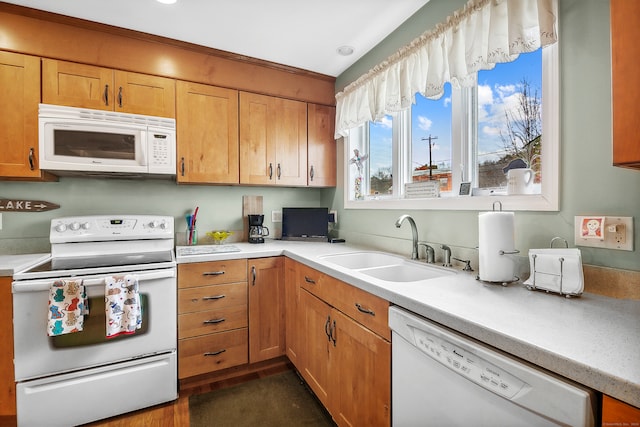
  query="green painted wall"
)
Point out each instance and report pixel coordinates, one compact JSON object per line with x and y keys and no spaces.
{"x":220,"y":206}
{"x":589,"y":184}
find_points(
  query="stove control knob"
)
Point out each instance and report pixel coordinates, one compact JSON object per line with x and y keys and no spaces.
{"x":164,"y":225}
{"x":74,"y":226}
{"x":85,"y":225}
{"x":61,"y":228}
{"x":153,"y":224}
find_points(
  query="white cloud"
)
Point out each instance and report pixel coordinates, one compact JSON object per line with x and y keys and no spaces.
{"x":505,"y":90}
{"x":485,"y":95}
{"x":491,"y":130}
{"x":385,"y":122}
{"x":424,"y":123}
{"x":447,"y":101}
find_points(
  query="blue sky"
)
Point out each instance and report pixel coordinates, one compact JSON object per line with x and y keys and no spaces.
{"x":496,"y":92}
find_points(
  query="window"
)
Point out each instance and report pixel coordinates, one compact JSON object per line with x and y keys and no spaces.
{"x":418,"y":158}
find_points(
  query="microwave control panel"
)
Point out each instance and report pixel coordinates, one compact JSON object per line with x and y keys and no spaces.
{"x":161,"y":154}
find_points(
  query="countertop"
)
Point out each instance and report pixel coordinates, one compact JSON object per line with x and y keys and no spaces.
{"x":9,"y":264}
{"x":590,"y":339}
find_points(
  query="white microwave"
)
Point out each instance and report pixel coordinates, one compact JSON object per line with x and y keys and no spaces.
{"x":86,"y":142}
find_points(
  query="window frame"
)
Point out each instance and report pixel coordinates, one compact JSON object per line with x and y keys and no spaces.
{"x":547,"y":200}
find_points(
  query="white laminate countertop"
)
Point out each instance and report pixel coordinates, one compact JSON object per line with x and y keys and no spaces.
{"x":9,"y":264}
{"x":591,"y":339}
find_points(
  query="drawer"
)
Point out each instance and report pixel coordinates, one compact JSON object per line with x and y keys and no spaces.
{"x":209,"y":297}
{"x":208,"y":322}
{"x":367,"y":309}
{"x":212,"y":352}
{"x":211,"y":273}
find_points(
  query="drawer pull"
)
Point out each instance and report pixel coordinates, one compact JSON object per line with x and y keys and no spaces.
{"x":215,"y":353}
{"x":327,"y":328}
{"x":213,"y":297}
{"x":214,"y":321}
{"x":365,"y":310}
{"x":309,"y":280}
{"x":213,"y":273}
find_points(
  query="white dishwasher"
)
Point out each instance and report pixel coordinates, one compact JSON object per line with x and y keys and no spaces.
{"x":442,"y":378}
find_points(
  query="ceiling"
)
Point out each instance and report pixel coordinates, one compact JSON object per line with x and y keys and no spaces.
{"x":300,"y":33}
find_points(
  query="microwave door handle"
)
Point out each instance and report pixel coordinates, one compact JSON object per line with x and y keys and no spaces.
{"x":144,"y":150}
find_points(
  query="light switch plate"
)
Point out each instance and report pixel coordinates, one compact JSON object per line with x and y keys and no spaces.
{"x":276,"y":216}
{"x":608,"y":232}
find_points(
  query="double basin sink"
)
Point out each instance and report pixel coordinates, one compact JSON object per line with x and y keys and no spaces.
{"x":387,"y":267}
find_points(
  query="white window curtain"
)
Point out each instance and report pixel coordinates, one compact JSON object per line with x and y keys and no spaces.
{"x":478,"y":36}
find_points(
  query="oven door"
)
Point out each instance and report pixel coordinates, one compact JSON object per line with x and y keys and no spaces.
{"x":37,"y":354}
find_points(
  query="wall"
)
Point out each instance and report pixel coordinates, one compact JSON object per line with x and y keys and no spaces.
{"x":220,"y":206}
{"x":589,"y":183}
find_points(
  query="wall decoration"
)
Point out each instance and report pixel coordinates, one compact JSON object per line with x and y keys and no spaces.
{"x":357,"y":160}
{"x":13,"y":205}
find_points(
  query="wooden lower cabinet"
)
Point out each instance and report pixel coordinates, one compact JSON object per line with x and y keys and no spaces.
{"x":7,"y":382}
{"x":212,"y":317}
{"x":293,"y":341}
{"x":617,"y":413}
{"x":347,"y":365}
{"x":266,"y":308}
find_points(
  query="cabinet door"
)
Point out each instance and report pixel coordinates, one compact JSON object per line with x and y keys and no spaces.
{"x":257,"y":145}
{"x":625,"y":33}
{"x":20,"y":88}
{"x":291,"y":142}
{"x":207,"y":134}
{"x":317,"y":345}
{"x":266,"y":308}
{"x":321,"y":146}
{"x":7,"y":384}
{"x":293,"y":314}
{"x":618,"y":413}
{"x":361,"y":375}
{"x":77,"y":85}
{"x":144,"y":94}
{"x":273,"y":140}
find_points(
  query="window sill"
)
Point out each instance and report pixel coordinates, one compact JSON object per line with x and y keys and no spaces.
{"x":535,"y":202}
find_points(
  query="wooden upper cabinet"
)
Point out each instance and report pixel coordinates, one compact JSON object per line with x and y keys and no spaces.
{"x":321,"y":146}
{"x":625,"y":49}
{"x":88,"y":86}
{"x":207,"y":134}
{"x":273,"y":140}
{"x":20,"y":89}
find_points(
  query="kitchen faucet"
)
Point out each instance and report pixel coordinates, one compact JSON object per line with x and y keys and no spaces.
{"x":414,"y":233}
{"x":431,"y":254}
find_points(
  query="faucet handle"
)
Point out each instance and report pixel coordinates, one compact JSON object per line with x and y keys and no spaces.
{"x":447,"y":255}
{"x":431,"y":254}
{"x":467,"y":262}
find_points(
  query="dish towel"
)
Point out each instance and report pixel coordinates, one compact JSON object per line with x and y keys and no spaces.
{"x":67,"y":306}
{"x":122,"y":305}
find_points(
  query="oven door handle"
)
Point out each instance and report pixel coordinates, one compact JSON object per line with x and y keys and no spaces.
{"x":44,"y":284}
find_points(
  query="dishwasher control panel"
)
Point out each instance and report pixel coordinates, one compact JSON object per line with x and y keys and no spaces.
{"x":468,"y":364}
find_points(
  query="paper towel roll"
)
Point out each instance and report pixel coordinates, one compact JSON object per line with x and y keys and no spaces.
{"x":496,"y":233}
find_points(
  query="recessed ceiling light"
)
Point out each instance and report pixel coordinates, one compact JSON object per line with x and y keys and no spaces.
{"x":345,"y":50}
{"x":167,"y":1}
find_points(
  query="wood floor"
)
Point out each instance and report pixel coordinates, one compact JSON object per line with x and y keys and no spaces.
{"x":176,"y":414}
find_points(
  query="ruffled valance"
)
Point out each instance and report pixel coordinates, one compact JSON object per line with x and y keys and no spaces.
{"x":478,"y":36}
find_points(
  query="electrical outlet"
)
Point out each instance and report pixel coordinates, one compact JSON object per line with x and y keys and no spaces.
{"x":609,"y":232}
{"x":335,"y":216}
{"x":276,"y":216}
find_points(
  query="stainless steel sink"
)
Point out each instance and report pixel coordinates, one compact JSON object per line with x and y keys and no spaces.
{"x":387,"y":267}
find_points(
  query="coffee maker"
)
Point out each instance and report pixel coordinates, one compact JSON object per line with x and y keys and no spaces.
{"x":256,"y":230}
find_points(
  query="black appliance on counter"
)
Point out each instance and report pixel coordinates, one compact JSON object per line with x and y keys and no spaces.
{"x":256,"y":230}
{"x":305,"y":224}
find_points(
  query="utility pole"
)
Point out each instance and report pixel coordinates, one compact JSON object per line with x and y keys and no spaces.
{"x":430,"y":164}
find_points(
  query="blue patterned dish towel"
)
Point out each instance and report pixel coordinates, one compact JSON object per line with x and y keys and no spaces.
{"x":122,"y":305}
{"x":67,"y":307}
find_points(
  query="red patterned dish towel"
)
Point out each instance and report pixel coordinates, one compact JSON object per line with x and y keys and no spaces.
{"x":122,"y":305}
